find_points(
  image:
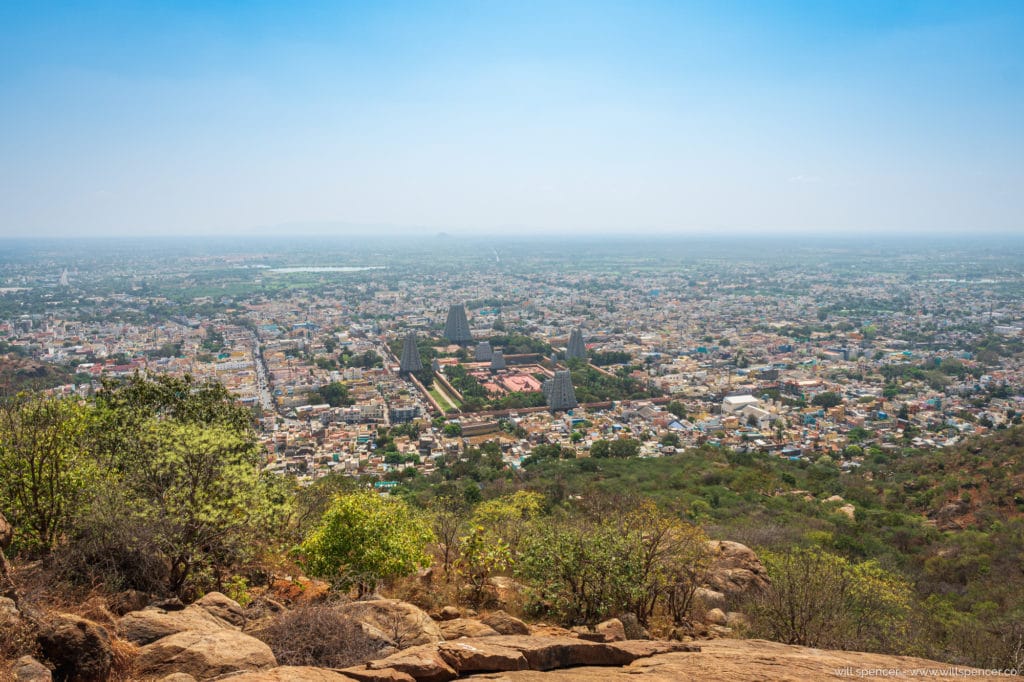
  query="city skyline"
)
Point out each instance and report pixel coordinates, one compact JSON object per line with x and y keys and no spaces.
{"x":473,"y":118}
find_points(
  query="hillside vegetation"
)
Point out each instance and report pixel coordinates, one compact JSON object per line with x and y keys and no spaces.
{"x":155,"y":485}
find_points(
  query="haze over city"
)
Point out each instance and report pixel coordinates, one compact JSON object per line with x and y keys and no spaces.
{"x":335,"y":118}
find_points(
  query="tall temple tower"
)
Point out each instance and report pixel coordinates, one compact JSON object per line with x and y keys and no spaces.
{"x":410,"y":361}
{"x":559,"y":391}
{"x":497,"y":361}
{"x":576,"y":347}
{"x":456,"y":327}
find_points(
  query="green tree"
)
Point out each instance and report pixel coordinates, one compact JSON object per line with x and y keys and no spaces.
{"x":44,"y":470}
{"x":677,"y":409}
{"x":600,"y":449}
{"x":578,"y":571}
{"x":827,"y":399}
{"x":820,"y":599}
{"x":198,"y":491}
{"x":365,"y":538}
{"x":624,"y":447}
{"x":335,"y":394}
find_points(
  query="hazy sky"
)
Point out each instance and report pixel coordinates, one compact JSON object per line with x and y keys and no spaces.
{"x":763,"y":116}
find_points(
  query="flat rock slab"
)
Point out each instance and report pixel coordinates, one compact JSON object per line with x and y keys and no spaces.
{"x":423,"y":662}
{"x":364,"y":674}
{"x":465,"y":627}
{"x":551,"y":653}
{"x":734,"y":660}
{"x":291,"y":673}
{"x":477,"y":656}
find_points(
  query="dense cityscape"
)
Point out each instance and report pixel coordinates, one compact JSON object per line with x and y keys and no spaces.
{"x":833,"y":351}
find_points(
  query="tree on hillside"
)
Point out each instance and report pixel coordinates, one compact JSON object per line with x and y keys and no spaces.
{"x":44,"y":473}
{"x":365,"y":538}
{"x":823,"y":600}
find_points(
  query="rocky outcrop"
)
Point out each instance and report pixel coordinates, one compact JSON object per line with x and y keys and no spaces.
{"x":151,"y":624}
{"x":709,"y":599}
{"x":78,"y":649}
{"x":204,"y":655}
{"x":736,"y":660}
{"x":386,"y":675}
{"x":422,"y":663}
{"x":403,"y":623}
{"x":128,"y":601}
{"x":505,"y":624}
{"x":448,"y":613}
{"x":289,"y":673}
{"x":735,"y":568}
{"x":222,"y":607}
{"x":480,"y":657}
{"x":612,"y":629}
{"x":511,"y":653}
{"x":465,"y":627}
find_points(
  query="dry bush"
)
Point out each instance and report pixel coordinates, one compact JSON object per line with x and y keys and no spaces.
{"x":318,"y":636}
{"x":17,"y":638}
{"x":124,"y":654}
{"x":429,"y":595}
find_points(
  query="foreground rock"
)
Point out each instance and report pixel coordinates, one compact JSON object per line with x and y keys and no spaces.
{"x":423,"y":663}
{"x":403,"y":623}
{"x":204,"y":655}
{"x":223,"y":608}
{"x":737,"y":660}
{"x":289,"y":673}
{"x":79,"y":649}
{"x":505,"y":624}
{"x":465,"y":627}
{"x":502,"y":653}
{"x":151,"y":624}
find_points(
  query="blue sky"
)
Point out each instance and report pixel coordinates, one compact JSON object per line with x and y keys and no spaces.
{"x":475,"y":117}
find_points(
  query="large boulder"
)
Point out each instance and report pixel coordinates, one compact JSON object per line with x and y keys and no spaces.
{"x":151,"y":624}
{"x":79,"y":649}
{"x":128,"y":601}
{"x":715,"y":617}
{"x":505,"y":590}
{"x":505,"y":624}
{"x":403,"y":623}
{"x":222,"y":607}
{"x":204,"y":655}
{"x":709,"y":599}
{"x":612,"y":629}
{"x":735,"y":568}
{"x":465,"y":627}
{"x":448,"y":613}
